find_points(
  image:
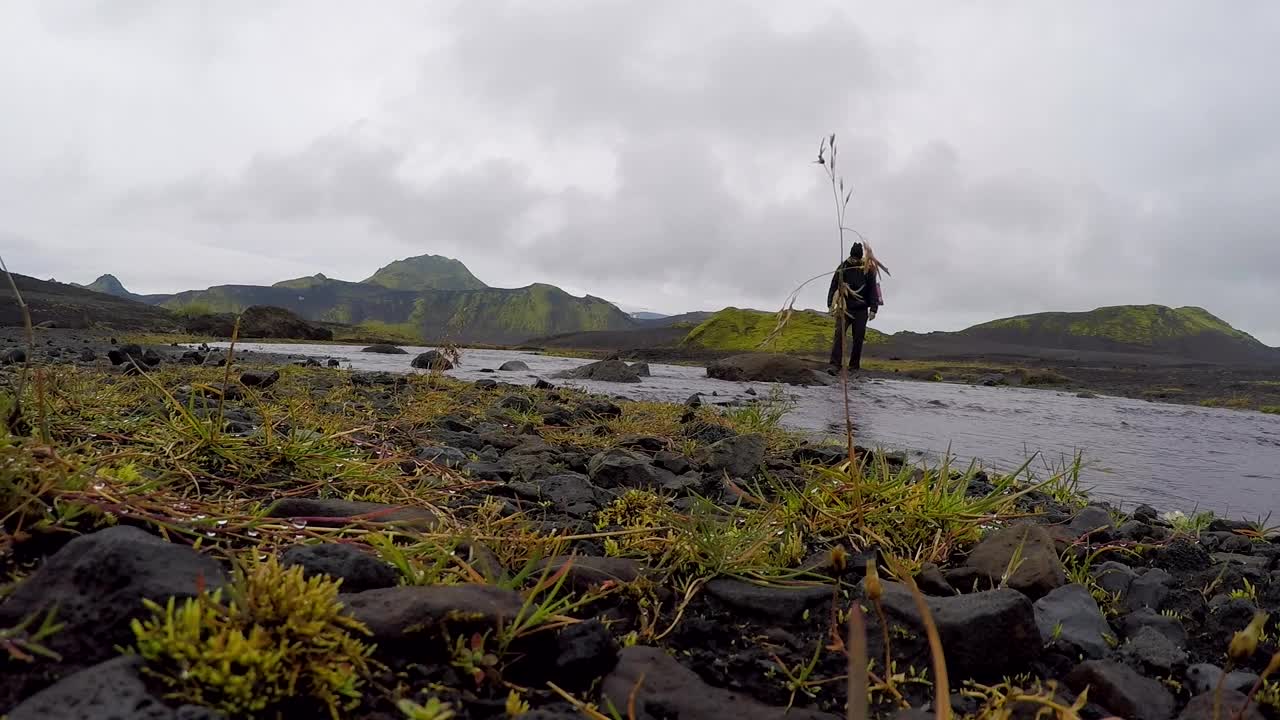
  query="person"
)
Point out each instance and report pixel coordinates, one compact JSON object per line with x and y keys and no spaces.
{"x":858,"y":282}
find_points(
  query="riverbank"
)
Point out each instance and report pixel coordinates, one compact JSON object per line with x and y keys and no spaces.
{"x":503,"y":546}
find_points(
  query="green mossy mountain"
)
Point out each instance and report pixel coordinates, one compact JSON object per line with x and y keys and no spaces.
{"x":732,"y":329}
{"x":426,"y":272}
{"x":1189,"y":332}
{"x":486,"y":315}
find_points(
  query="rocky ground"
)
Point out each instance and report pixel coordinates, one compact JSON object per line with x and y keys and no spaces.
{"x":539,"y":552}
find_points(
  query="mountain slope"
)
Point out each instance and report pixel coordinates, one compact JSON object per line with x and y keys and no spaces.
{"x":1189,"y":332}
{"x":807,"y":331}
{"x":72,"y":306}
{"x":426,"y":272}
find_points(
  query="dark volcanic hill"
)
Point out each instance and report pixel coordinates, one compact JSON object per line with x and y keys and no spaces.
{"x":71,"y":306}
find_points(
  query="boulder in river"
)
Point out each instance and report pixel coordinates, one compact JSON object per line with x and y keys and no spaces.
{"x":385,"y":349}
{"x":514,"y":366}
{"x":432,"y":360}
{"x":604,"y":371}
{"x":767,"y":367}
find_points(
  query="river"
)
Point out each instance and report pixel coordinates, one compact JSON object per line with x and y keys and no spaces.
{"x":1173,"y":457}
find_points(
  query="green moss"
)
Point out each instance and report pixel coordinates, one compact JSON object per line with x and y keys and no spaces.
{"x":1271,"y":409}
{"x":1236,"y":403}
{"x":805,"y":331}
{"x":279,"y":637}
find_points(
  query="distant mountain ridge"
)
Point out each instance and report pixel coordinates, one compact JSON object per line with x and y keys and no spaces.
{"x":1189,"y":332}
{"x":429,"y":297}
{"x":110,"y":285}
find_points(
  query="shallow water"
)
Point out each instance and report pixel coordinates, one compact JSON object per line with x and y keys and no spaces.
{"x":1173,"y":457}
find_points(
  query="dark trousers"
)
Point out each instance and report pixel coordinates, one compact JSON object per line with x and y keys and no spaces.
{"x":855,"y":320}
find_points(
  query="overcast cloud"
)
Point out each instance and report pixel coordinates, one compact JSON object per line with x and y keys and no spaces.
{"x":1005,"y":157}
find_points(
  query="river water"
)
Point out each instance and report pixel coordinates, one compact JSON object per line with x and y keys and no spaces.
{"x":1173,"y":457}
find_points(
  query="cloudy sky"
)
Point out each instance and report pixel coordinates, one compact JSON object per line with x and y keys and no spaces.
{"x":1004,"y":157}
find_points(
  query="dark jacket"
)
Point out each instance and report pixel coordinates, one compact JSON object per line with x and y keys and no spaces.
{"x":865,"y":285}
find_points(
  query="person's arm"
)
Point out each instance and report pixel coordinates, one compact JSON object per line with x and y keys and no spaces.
{"x":835,"y":283}
{"x":873,"y":293}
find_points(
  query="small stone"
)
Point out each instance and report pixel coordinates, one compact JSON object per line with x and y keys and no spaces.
{"x":1039,"y":570}
{"x":984,"y":634}
{"x":315,"y":510}
{"x":1093,"y":522}
{"x":1145,"y":513}
{"x":1256,"y":562}
{"x":88,"y":355}
{"x":1148,"y":590}
{"x":519,"y":403}
{"x":14,"y":356}
{"x":1228,"y":704}
{"x":1069,"y":615}
{"x":932,"y":582}
{"x":402,"y":616}
{"x":358,"y":570}
{"x":641,"y":369}
{"x":442,"y":455}
{"x":1206,"y":677}
{"x":1121,"y":690}
{"x":1150,"y":649}
{"x":586,"y":571}
{"x":779,"y":603}
{"x":658,"y":686}
{"x":1170,"y":627}
{"x":1114,"y":577}
{"x":113,"y":690}
{"x":586,"y":652}
{"x":1183,"y":556}
{"x":259,"y":378}
{"x":739,"y":456}
{"x":624,"y":468}
{"x":598,"y":409}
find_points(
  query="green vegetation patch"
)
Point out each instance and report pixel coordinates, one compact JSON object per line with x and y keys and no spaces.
{"x":805,"y":331}
{"x":1146,"y":325}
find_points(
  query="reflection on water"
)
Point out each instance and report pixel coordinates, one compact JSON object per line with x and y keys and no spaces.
{"x":1170,"y":456}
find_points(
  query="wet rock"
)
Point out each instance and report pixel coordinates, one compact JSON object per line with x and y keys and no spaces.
{"x":124,"y":353}
{"x":569,"y":493}
{"x":644,"y":443}
{"x":1121,"y":690}
{"x":1171,"y":628}
{"x":587,"y":571}
{"x":1092,"y":523}
{"x":1069,"y":615}
{"x":335,"y":511}
{"x":694,"y":401}
{"x":151,"y":358}
{"x":402,"y":616}
{"x":1230,"y":542}
{"x":385,"y":349}
{"x":87,"y":355}
{"x":673,"y":461}
{"x":932,"y":582}
{"x":624,"y":468}
{"x":966,"y":579}
{"x":825,"y":455}
{"x":358,"y":570}
{"x":332,"y":363}
{"x":778,"y":603}
{"x":259,"y":378}
{"x":1146,"y":514}
{"x":984,"y":634}
{"x":641,"y":369}
{"x":14,"y":356}
{"x":989,"y":380}
{"x":1255,"y":562}
{"x":432,"y":360}
{"x":598,"y":409}
{"x":1150,"y":650}
{"x":1228,"y":703}
{"x":1205,"y":677}
{"x":97,"y":583}
{"x":1138,"y":531}
{"x":739,"y":456}
{"x":1114,"y":577}
{"x":663,"y":688}
{"x":1039,"y":571}
{"x":541,"y":384}
{"x":113,"y":690}
{"x":1182,"y":556}
{"x":603,"y":371}
{"x":514,"y":366}
{"x":1148,"y":590}
{"x":486,"y":384}
{"x":587,"y":652}
{"x":765,"y":367}
{"x":442,"y":455}
{"x":518,"y":403}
